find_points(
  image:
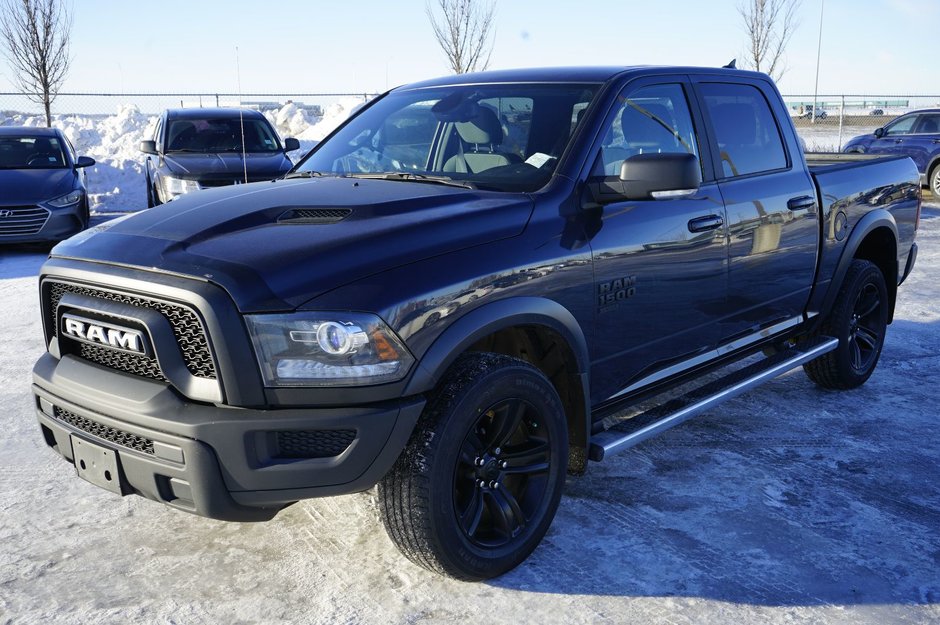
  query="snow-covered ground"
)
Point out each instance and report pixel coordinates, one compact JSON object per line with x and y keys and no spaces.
{"x":116,"y":182}
{"x":789,"y":504}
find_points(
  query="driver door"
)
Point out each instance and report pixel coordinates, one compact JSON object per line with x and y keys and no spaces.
{"x":660,"y":264}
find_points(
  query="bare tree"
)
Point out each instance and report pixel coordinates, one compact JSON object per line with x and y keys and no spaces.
{"x":769,"y":24}
{"x":36,"y":37}
{"x":464,"y":32}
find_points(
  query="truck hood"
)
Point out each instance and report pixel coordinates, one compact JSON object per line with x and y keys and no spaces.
{"x":276,"y":245}
{"x":226,"y":165}
{"x":32,"y":186}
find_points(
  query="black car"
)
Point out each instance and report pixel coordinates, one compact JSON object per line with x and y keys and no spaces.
{"x":202,"y":148}
{"x":42,"y":186}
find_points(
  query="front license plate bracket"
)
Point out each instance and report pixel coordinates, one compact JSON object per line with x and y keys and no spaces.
{"x":98,"y":465}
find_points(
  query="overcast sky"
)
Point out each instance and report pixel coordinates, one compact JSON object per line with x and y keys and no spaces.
{"x":305,"y":46}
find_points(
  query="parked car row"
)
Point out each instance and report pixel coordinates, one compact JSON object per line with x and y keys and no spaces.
{"x":916,"y":134}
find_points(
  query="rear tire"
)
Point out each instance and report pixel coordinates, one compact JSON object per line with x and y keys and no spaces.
{"x":478,"y":484}
{"x":935,"y":181}
{"x":859,"y":320}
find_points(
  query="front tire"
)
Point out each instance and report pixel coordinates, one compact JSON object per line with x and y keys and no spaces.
{"x":475,"y":490}
{"x":859,"y":320}
{"x":935,"y":181}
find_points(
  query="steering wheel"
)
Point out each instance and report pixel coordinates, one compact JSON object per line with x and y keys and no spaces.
{"x":41,"y":159}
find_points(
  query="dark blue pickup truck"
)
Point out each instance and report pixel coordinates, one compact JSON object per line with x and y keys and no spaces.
{"x":472,"y":288}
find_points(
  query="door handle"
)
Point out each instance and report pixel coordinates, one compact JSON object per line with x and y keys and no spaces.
{"x":896,"y":141}
{"x":804,"y":202}
{"x":704,"y":224}
{"x":936,"y":141}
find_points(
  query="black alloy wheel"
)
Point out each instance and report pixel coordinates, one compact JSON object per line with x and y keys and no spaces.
{"x":859,"y":319}
{"x":477,"y":486}
{"x":502,"y":473}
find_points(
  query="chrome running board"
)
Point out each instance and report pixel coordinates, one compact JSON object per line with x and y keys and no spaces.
{"x":645,"y":425}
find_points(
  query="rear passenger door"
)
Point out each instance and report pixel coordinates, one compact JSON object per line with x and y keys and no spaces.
{"x":770,"y":201}
{"x":659,"y":264}
{"x":924,"y":144}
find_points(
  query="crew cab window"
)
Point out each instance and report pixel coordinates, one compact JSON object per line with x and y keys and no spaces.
{"x":748,"y":137}
{"x":653,"y":119}
{"x":902,"y":126}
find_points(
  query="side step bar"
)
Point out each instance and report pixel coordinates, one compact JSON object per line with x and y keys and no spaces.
{"x":660,"y":418}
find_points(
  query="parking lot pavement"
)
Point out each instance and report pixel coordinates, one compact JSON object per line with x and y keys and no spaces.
{"x":787,"y":504}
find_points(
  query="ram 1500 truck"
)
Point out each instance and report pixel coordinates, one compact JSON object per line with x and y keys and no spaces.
{"x":462,"y":295}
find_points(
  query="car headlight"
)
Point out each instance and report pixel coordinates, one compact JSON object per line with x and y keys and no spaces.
{"x":173,"y":187}
{"x":66,"y":200}
{"x":327,"y":349}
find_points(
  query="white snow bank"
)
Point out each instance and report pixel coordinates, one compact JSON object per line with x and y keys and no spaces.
{"x":116,"y":182}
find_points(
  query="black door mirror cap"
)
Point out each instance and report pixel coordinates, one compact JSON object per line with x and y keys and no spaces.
{"x":84,"y":161}
{"x":879,"y":132}
{"x":291,"y":144}
{"x":148,"y":147}
{"x":648,"y":176}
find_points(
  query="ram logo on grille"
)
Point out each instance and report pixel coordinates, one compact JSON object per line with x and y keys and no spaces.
{"x":102,"y":333}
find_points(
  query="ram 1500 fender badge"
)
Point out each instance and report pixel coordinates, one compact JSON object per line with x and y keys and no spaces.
{"x":102,"y":333}
{"x":614,"y":291}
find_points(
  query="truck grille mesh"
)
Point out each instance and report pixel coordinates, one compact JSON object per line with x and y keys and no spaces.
{"x":188,"y":329}
{"x":112,"y":435}
{"x":313,"y":443}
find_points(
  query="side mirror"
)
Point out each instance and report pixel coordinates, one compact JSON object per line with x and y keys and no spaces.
{"x":291,"y":144}
{"x":879,"y":132}
{"x":650,"y":176}
{"x":84,"y":161}
{"x":148,"y":147}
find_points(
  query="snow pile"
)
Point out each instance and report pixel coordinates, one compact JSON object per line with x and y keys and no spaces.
{"x":116,"y":183}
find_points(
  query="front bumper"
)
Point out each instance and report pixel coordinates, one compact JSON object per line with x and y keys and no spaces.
{"x":220,"y":462}
{"x":60,"y":225}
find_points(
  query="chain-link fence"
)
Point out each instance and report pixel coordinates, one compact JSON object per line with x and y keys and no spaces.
{"x":827,"y":122}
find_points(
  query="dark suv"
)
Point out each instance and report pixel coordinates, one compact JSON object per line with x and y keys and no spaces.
{"x":202,"y":148}
{"x":915,"y":134}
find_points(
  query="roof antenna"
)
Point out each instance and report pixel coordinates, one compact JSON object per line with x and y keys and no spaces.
{"x":732,"y":65}
{"x":241,"y":115}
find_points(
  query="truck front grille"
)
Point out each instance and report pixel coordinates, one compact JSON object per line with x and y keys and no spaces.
{"x":187,"y":328}
{"x":313,"y":443}
{"x":22,"y":220}
{"x":112,"y":435}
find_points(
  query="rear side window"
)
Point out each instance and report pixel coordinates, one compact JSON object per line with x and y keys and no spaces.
{"x":929,"y":124}
{"x":748,"y":138}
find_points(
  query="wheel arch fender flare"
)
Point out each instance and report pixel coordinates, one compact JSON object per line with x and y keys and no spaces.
{"x":499,"y":315}
{"x":871,"y":221}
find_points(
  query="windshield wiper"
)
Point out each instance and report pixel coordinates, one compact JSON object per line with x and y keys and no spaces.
{"x":304,"y":174}
{"x":410,"y":177}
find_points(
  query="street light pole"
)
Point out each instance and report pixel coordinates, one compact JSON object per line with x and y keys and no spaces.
{"x":822,"y":7}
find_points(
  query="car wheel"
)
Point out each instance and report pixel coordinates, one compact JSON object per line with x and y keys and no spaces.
{"x":151,"y":201}
{"x":859,"y":320}
{"x":478,"y":484}
{"x":935,"y":181}
{"x":86,"y":214}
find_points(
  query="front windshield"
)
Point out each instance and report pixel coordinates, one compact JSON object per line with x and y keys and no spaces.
{"x":220,"y":135}
{"x":505,"y":137}
{"x":31,"y":152}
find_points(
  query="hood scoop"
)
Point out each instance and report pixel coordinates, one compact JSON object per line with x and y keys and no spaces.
{"x":313,"y":215}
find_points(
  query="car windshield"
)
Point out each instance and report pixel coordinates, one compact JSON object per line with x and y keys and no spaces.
{"x":505,"y":137}
{"x":213,"y":135}
{"x":31,"y":152}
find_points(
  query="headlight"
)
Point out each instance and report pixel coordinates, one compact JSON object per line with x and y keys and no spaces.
{"x":173,"y":187}
{"x":327,"y":349}
{"x":66,"y":200}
